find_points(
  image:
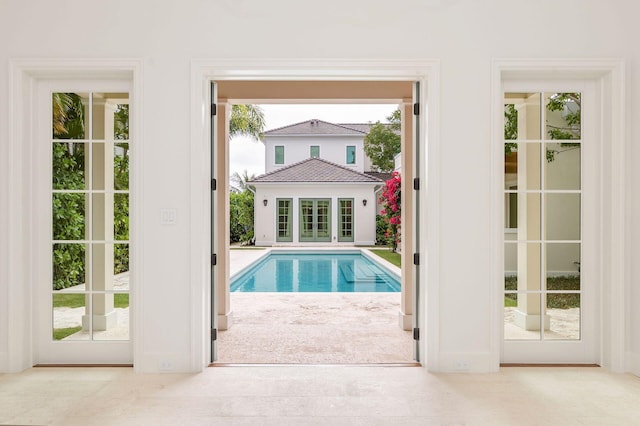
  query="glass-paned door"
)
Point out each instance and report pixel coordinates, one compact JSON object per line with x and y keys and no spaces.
{"x":315,"y":220}
{"x":345,"y":226}
{"x":87,"y":300}
{"x":545,"y":319}
{"x":284,"y":219}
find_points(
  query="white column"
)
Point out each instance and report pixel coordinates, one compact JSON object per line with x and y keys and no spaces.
{"x":528,"y":312}
{"x":405,"y":316}
{"x":222,"y":231}
{"x":102,"y":308}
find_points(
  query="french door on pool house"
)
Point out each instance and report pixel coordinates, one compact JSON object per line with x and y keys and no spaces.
{"x":315,"y":220}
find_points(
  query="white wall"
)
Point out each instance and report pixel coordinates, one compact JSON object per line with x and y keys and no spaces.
{"x":364,"y":216}
{"x":332,"y":149}
{"x":465,"y":35}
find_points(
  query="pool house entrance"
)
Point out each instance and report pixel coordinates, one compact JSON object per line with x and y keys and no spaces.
{"x":315,"y":220}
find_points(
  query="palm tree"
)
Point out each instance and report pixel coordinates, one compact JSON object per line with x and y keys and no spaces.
{"x":246,"y":120}
{"x":239,"y":182}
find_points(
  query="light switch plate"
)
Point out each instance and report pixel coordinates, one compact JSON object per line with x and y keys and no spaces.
{"x":168,"y":216}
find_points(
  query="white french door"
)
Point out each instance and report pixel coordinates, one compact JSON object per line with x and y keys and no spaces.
{"x":81,"y":223}
{"x":552,"y":222}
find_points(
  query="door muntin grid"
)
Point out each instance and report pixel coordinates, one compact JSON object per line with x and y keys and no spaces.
{"x":543,"y":159}
{"x":90,"y":216}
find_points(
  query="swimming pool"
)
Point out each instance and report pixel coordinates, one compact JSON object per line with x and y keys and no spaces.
{"x":315,"y":272}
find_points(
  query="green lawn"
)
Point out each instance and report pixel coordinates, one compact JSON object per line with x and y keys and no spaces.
{"x":555,"y":300}
{"x":389,"y":256}
{"x":61,"y":333}
{"x":67,"y":300}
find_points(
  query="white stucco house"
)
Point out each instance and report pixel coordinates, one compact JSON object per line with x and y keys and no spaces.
{"x":316,"y":189}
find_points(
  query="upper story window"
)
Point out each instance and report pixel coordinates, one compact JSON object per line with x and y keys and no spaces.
{"x":314,"y":151}
{"x":351,"y":154}
{"x":279,"y":154}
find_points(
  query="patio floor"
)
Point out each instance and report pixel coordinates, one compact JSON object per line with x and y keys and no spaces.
{"x":312,"y":328}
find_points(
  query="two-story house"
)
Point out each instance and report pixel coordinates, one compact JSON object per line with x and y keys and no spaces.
{"x":315,"y":189}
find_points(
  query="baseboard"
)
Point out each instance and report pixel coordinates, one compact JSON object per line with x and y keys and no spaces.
{"x":164,"y":363}
{"x":4,"y":362}
{"x":468,"y":362}
{"x":633,"y":363}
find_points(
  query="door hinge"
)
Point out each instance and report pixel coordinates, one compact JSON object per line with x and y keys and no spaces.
{"x":416,"y":184}
{"x":214,"y":334}
{"x":214,"y":259}
{"x":416,"y":259}
{"x":416,"y":334}
{"x":214,"y":184}
{"x":214,"y":110}
{"x":416,"y":108}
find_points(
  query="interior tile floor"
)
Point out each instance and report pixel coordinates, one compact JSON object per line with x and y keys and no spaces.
{"x":319,"y":395}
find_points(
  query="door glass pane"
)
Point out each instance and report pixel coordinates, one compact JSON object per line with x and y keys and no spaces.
{"x":563,"y":310}
{"x":322,"y":215}
{"x":68,"y":161}
{"x":306,"y":219}
{"x":69,"y":266}
{"x":69,"y":216}
{"x":522,"y":321}
{"x":522,"y":116}
{"x":120,"y":217}
{"x":109,"y":119}
{"x":69,"y":310}
{"x":110,"y":316}
{"x":529,"y":223}
{"x":69,"y":120}
{"x":121,"y":166}
{"x":563,"y":266}
{"x":563,"y":116}
{"x":562,"y":216}
{"x":562,"y":168}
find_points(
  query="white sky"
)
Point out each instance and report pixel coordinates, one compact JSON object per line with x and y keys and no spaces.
{"x":247,"y":154}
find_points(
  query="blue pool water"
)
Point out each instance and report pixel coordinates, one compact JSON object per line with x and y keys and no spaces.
{"x":315,"y":272}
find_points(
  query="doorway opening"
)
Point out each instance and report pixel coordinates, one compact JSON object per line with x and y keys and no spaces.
{"x":228,"y":93}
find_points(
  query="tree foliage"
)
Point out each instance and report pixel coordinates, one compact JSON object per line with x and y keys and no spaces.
{"x":239,"y":182}
{"x":246,"y":120}
{"x":391,"y":200}
{"x":241,"y":216}
{"x":382,"y":143}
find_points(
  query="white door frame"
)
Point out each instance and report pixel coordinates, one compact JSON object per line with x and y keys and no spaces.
{"x":24,"y":74}
{"x":205,"y":71}
{"x":609,"y":78}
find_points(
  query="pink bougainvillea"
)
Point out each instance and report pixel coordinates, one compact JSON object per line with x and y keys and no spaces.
{"x":391,"y":203}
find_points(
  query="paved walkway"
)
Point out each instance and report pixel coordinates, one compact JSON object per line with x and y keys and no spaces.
{"x":312,"y":328}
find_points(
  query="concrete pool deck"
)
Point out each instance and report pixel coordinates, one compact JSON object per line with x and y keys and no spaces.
{"x":312,"y":328}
